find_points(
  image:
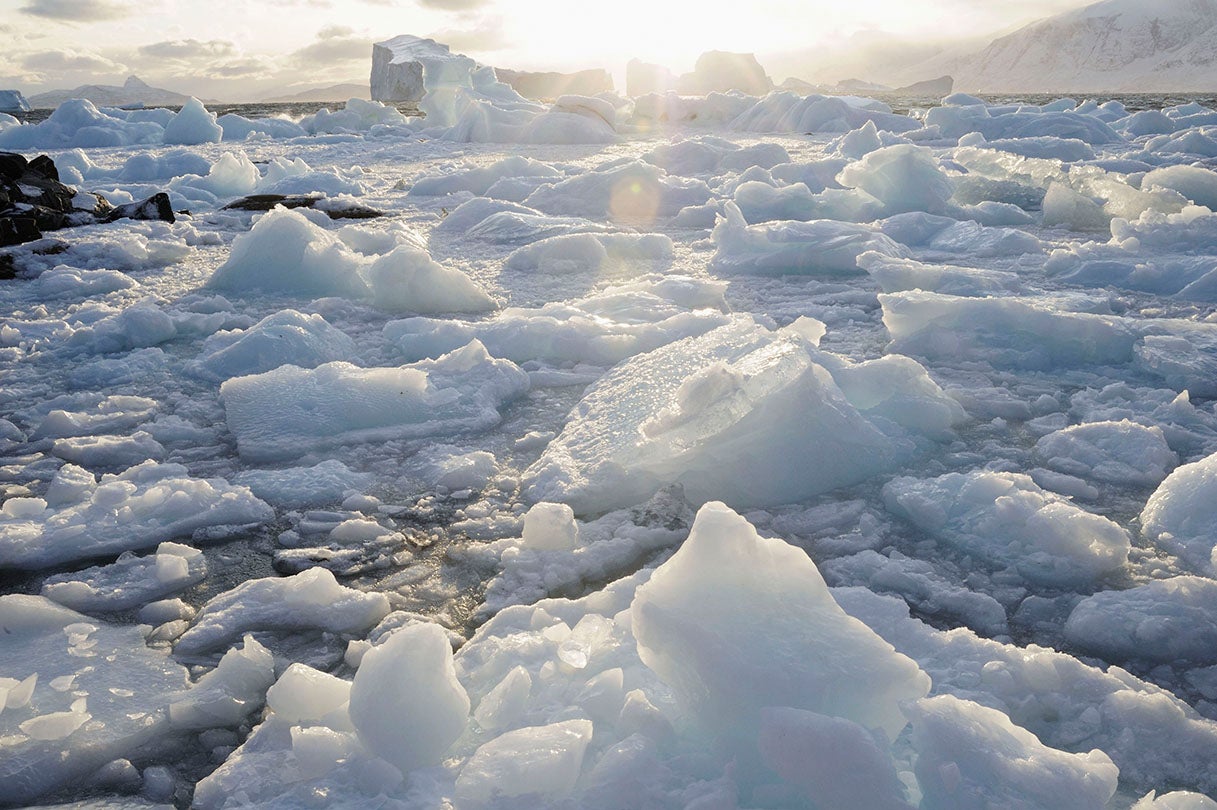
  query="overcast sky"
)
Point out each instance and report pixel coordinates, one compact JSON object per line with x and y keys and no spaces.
{"x":247,"y":49}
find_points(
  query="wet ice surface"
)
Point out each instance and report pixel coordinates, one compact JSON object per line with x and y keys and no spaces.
{"x":967,"y":371}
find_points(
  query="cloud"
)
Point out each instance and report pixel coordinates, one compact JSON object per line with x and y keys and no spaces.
{"x":454,"y":5}
{"x":188,"y":50}
{"x":64,"y":61}
{"x":250,"y":67}
{"x":333,"y":48}
{"x":77,"y":10}
{"x":489,"y":35}
{"x":335,"y":31}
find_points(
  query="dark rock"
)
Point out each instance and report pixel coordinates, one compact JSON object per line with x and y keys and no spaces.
{"x":265,"y":202}
{"x":17,"y":230}
{"x":33,"y":200}
{"x":12,"y":165}
{"x":45,"y":167}
{"x":156,"y":207}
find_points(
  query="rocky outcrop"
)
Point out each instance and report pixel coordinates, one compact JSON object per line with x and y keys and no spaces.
{"x":33,"y":200}
{"x":715,"y":72}
{"x":549,"y":86}
{"x":405,"y":66}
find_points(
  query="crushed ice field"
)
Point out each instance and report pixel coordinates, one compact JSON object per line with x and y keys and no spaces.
{"x":685,"y":453}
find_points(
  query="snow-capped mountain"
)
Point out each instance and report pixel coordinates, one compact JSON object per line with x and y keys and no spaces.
{"x":1114,"y":45}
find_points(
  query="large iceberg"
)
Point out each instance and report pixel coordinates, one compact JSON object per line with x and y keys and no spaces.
{"x":406,"y":67}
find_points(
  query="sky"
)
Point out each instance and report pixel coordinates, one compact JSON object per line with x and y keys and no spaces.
{"x":244,"y":50}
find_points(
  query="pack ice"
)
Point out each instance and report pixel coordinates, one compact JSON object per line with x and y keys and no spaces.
{"x":302,"y":511}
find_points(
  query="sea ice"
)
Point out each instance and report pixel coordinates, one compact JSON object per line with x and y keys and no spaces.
{"x":1114,"y":452}
{"x":291,"y":411}
{"x":287,"y":253}
{"x":706,"y":620}
{"x":1169,"y":621}
{"x":130,"y":582}
{"x":972,"y":756}
{"x":1008,"y":521}
{"x":601,"y":329}
{"x":287,"y":337}
{"x":83,"y":693}
{"x":740,"y":413}
{"x":312,"y":600}
{"x":406,"y":703}
{"x":136,"y":509}
{"x":821,"y":247}
{"x":1181,"y":515}
{"x":193,"y":125}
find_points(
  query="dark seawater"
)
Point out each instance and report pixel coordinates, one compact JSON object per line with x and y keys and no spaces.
{"x":295,"y":109}
{"x":1135,"y":102}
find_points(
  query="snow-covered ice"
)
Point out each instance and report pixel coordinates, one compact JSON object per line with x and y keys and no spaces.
{"x":405,"y":511}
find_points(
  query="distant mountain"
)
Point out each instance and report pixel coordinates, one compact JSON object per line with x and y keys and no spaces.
{"x":337,"y":92}
{"x":133,"y":91}
{"x":1114,"y":45}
